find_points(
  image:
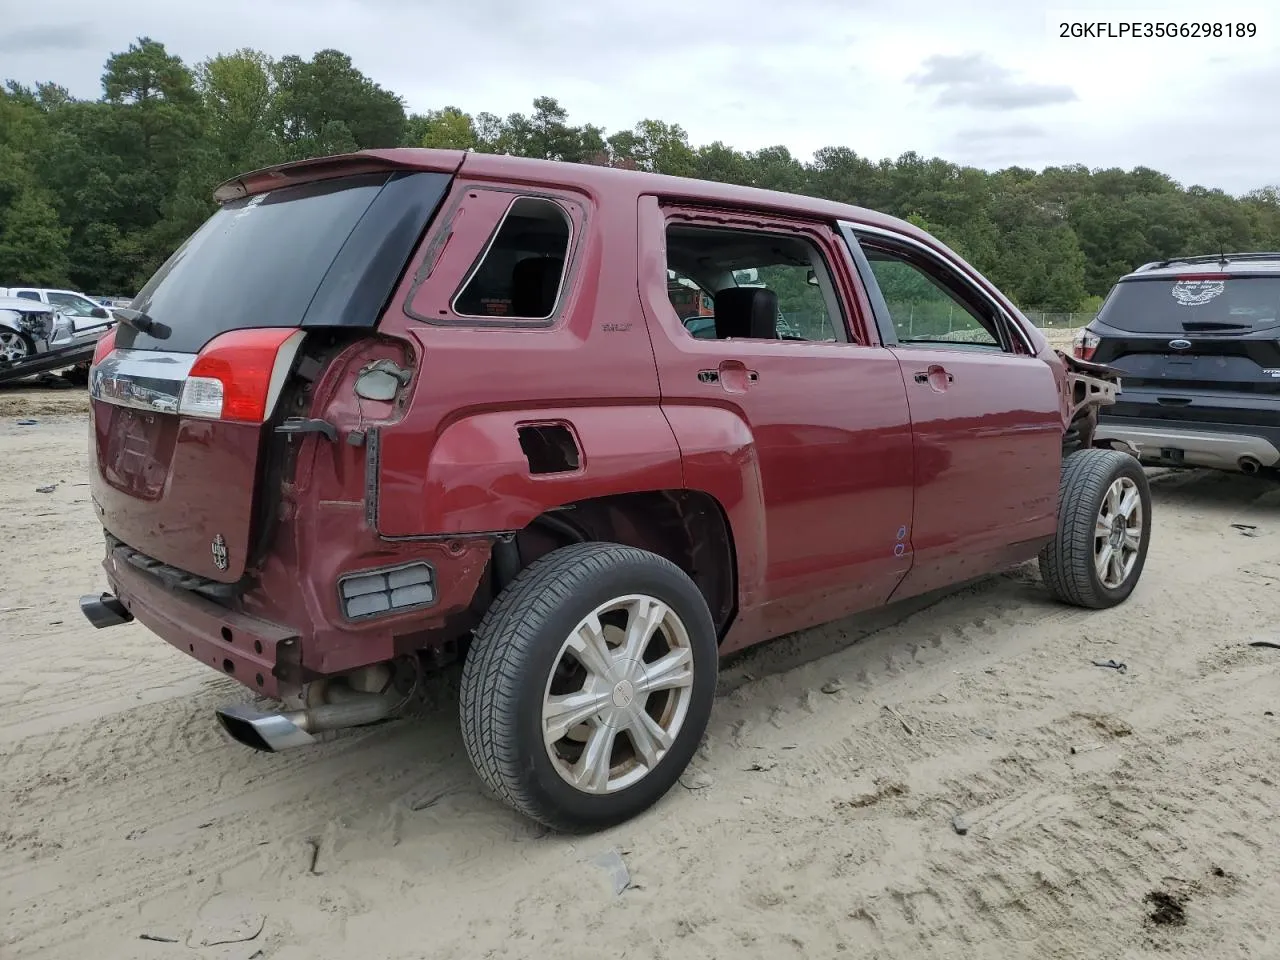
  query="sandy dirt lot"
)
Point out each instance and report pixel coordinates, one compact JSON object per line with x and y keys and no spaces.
{"x":817,"y":821}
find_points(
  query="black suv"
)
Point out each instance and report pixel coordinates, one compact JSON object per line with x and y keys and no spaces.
{"x":1197,"y":341}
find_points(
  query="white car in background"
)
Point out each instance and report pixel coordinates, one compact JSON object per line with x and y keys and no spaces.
{"x":84,"y":312}
{"x":40,"y":337}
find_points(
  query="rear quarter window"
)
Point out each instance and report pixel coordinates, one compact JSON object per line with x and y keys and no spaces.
{"x":499,"y":258}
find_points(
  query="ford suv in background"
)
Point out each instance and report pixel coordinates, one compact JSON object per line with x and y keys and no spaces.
{"x":1197,"y":341}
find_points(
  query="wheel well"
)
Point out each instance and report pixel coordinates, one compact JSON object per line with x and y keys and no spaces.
{"x":687,"y":527}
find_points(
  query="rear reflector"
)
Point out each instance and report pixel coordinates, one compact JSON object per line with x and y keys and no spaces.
{"x":238,"y":375}
{"x":387,"y":591}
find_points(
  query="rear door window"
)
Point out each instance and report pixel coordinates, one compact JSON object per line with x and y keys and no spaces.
{"x":1195,"y":304}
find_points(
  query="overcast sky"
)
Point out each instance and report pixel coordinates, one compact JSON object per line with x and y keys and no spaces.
{"x":989,"y":85}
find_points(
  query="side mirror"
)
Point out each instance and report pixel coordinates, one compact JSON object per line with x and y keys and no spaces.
{"x":100,"y":313}
{"x":812,"y":278}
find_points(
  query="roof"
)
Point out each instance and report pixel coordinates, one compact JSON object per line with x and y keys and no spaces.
{"x":591,"y":180}
{"x":587,"y":178}
{"x":24,"y":304}
{"x":1254,"y":263}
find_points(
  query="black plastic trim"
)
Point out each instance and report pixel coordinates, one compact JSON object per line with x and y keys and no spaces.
{"x":362,"y":278}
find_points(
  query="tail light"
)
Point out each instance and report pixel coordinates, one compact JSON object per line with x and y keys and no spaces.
{"x":1085,"y":344}
{"x":238,"y":375}
{"x":106,"y":343}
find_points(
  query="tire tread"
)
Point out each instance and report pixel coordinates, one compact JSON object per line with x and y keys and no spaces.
{"x":492,"y":672}
{"x":1066,"y":562}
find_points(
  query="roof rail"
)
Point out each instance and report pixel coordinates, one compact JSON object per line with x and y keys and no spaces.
{"x":1214,"y":258}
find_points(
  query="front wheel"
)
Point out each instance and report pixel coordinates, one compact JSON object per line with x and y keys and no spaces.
{"x":1104,"y":527}
{"x":588,"y":685}
{"x":14,"y":347}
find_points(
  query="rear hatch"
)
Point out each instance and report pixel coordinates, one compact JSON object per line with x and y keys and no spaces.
{"x":185,"y":391}
{"x":1194,"y":345}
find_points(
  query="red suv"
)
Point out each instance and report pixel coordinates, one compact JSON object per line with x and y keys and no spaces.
{"x":395,"y":408}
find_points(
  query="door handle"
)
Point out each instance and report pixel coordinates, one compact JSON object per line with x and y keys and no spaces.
{"x":936,"y":376}
{"x":732,"y":376}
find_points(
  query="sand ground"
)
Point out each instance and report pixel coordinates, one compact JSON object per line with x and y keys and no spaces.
{"x":817,"y":821}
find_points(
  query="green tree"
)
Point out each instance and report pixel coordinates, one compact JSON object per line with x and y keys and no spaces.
{"x":33,"y":243}
{"x":325,"y":105}
{"x":449,"y":129}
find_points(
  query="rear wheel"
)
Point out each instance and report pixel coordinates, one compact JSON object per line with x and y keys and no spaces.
{"x":14,"y":347}
{"x":1104,"y":527}
{"x":588,"y":685}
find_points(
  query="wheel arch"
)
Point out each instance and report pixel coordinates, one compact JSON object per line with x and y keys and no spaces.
{"x":691,"y":528}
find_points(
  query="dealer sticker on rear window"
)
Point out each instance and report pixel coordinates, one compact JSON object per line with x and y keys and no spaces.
{"x":1193,"y":293}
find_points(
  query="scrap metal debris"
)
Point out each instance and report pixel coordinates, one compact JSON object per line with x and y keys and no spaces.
{"x":1247,"y":529}
{"x":1265,"y":643}
{"x":833,"y":686}
{"x":960,"y":824}
{"x":1112,"y":665}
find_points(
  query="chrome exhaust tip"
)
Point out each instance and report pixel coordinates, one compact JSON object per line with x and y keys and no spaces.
{"x":273,"y":732}
{"x":268,"y":732}
{"x":104,"y":610}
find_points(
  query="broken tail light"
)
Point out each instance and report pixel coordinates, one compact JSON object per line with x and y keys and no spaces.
{"x":1086,"y":342}
{"x":238,"y":375}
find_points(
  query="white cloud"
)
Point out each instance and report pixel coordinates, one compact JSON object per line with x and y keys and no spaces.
{"x":875,"y":75}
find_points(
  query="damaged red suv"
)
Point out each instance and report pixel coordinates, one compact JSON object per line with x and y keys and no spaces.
{"x":587,"y":430}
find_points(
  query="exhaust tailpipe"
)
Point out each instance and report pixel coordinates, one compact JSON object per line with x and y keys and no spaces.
{"x":1249,"y":465}
{"x":273,"y":732}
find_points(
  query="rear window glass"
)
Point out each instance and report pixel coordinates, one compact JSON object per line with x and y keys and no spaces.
{"x":257,"y":262}
{"x":1171,"y":305}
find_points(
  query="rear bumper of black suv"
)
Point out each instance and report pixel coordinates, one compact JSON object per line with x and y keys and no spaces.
{"x":1219,"y":444}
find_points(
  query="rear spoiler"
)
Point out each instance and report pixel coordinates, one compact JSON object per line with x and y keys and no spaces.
{"x":342,"y":165}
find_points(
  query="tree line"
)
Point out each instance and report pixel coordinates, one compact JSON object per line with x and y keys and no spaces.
{"x":95,"y":194}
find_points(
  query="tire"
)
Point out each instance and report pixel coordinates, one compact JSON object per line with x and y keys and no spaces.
{"x":1069,"y":564}
{"x":520,"y":666}
{"x":78,"y":375}
{"x":15,"y":347}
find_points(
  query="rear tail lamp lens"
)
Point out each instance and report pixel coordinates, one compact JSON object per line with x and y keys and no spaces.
{"x":238,"y":375}
{"x":106,"y":343}
{"x":1086,"y":343}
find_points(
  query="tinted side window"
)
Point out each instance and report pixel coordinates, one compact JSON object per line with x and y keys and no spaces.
{"x":521,"y":272}
{"x":28,"y":295}
{"x":924,"y":309}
